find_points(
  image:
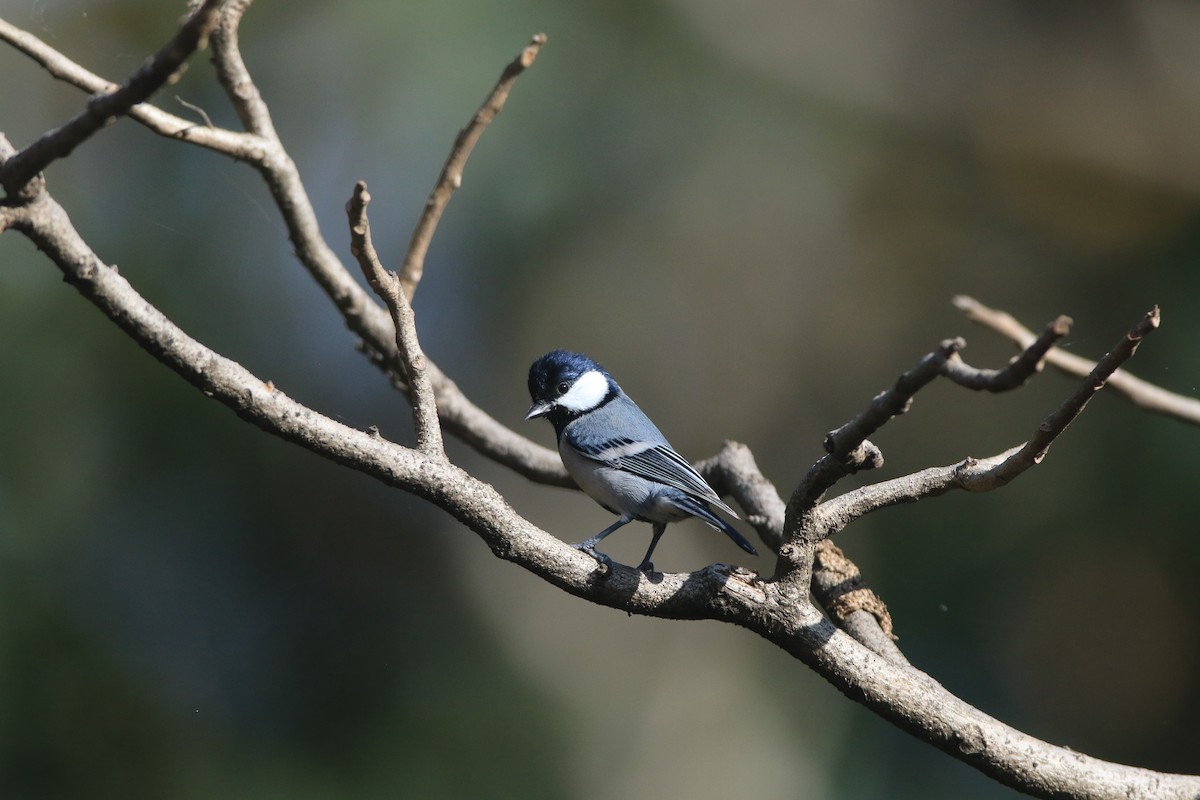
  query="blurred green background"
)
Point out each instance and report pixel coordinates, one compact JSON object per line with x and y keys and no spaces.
{"x":755,"y":216}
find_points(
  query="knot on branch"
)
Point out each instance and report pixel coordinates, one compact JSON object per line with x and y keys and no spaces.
{"x":866,"y":456}
{"x":839,"y":587}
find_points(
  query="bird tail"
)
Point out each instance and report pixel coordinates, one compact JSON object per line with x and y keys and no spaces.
{"x":701,"y":510}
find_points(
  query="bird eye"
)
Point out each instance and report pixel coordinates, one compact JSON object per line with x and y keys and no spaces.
{"x":563,"y":387}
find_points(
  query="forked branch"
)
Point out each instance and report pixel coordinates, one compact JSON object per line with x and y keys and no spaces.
{"x":365,"y":318}
{"x":388,"y":286}
{"x":875,"y":675}
{"x":985,"y":474}
{"x":849,"y":451}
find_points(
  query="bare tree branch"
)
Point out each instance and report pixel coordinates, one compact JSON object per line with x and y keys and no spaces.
{"x":780,"y":611}
{"x":1140,"y":392}
{"x":368,"y":320}
{"x":988,"y":474}
{"x":235,"y":78}
{"x":231,"y":143}
{"x":843,"y":444}
{"x":452,"y":171}
{"x":808,"y":522}
{"x":840,"y":589}
{"x":854,"y":608}
{"x":104,"y":108}
{"x":387,"y":285}
{"x":1035,"y":449}
{"x":849,"y":451}
{"x":1018,"y":371}
{"x":902,"y":694}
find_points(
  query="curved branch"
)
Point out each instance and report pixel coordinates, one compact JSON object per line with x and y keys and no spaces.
{"x":1035,"y":449}
{"x":770,"y":609}
{"x":972,"y":474}
{"x":847,"y":446}
{"x":1018,"y":371}
{"x":904,"y":695}
{"x":235,"y":78}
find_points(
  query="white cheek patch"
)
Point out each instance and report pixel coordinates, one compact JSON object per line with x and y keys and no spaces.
{"x":586,"y":393}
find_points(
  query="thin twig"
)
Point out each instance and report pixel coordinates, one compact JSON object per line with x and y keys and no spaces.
{"x":231,"y":143}
{"x":387,"y":285}
{"x":452,"y":171}
{"x":987,"y":474}
{"x":945,"y":361}
{"x":1140,"y":392}
{"x":1018,"y":371}
{"x":235,"y":77}
{"x":208,"y":123}
{"x":160,"y":69}
{"x":1035,"y":449}
{"x":849,"y":451}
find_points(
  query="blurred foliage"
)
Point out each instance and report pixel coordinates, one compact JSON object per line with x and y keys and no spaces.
{"x":755,"y":216}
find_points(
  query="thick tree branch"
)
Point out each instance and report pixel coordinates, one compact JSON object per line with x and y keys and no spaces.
{"x":1140,"y":392}
{"x":104,"y":108}
{"x":906,"y":696}
{"x":387,"y":285}
{"x":851,"y":605}
{"x":774,"y":610}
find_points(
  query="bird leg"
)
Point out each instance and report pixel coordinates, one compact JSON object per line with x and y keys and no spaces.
{"x":659,"y":528}
{"x":589,"y":545}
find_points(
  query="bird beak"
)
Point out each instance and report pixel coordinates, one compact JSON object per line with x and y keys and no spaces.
{"x":537,"y":410}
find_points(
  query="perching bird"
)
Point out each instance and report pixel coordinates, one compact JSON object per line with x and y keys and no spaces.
{"x":616,"y":455}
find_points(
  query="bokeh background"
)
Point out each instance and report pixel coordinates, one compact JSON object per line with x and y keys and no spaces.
{"x":755,"y":215}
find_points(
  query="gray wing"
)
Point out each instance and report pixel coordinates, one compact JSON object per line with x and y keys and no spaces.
{"x":655,"y":462}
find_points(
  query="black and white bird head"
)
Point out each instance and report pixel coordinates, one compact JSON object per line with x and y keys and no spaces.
{"x":564,"y":385}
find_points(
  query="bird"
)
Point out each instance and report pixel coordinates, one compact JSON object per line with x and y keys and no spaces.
{"x":617,"y":455}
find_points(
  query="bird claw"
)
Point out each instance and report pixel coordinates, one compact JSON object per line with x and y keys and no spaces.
{"x":646,"y":567}
{"x":603,"y":561}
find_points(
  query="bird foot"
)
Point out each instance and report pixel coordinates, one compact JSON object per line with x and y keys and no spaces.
{"x":604,"y":562}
